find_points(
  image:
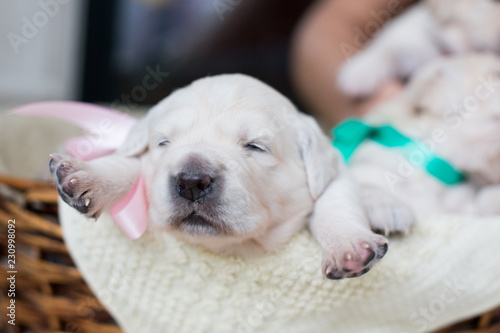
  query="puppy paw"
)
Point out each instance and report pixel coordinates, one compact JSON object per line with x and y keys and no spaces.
{"x":362,"y":75}
{"x":76,"y":184}
{"x":353,"y":257}
{"x":386,"y":213}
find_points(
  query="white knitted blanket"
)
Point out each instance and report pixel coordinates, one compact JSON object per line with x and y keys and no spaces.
{"x":446,"y":270}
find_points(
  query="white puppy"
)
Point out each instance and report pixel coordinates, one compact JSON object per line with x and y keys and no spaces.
{"x":452,"y":106}
{"x":426,"y":31}
{"x":230,"y":164}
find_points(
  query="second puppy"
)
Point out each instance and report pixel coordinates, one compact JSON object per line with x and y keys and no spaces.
{"x":426,"y":31}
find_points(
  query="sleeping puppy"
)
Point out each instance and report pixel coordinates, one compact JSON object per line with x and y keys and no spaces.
{"x":426,"y":31}
{"x":452,"y":106}
{"x":231,"y":165}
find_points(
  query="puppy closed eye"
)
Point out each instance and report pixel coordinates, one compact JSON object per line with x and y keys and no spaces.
{"x":252,"y":146}
{"x":162,"y":142}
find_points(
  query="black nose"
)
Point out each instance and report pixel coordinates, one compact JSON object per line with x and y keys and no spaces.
{"x":193,"y":186}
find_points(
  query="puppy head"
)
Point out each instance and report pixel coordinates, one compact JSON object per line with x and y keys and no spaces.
{"x":228,"y":159}
{"x":467,"y":25}
{"x":460,"y":97}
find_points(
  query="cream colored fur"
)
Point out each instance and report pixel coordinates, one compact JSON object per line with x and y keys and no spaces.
{"x":452,"y":106}
{"x":271,"y":169}
{"x":426,"y":31}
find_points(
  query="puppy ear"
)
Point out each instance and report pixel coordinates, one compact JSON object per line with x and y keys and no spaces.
{"x":317,"y":153}
{"x":137,"y":140}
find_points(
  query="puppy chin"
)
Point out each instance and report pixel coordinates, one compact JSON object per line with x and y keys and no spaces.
{"x":191,"y":221}
{"x":196,"y":224}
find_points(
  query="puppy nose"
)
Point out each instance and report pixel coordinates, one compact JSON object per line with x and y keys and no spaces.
{"x":193,"y":186}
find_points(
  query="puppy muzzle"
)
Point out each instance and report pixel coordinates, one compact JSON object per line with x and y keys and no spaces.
{"x":196,"y":189}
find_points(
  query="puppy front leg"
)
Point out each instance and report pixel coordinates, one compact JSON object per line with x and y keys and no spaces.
{"x":350,"y":248}
{"x":366,"y":71}
{"x":93,"y":187}
{"x":402,"y":46}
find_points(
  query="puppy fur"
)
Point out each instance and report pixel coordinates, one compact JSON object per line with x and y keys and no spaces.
{"x":427,"y":30}
{"x":452,"y":106}
{"x":230,"y":164}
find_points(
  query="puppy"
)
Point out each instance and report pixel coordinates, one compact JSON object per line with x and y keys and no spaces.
{"x":452,"y":106}
{"x":426,"y":31}
{"x":231,"y":165}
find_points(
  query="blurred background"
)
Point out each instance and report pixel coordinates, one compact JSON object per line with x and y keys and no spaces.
{"x":136,"y":52}
{"x":130,"y":54}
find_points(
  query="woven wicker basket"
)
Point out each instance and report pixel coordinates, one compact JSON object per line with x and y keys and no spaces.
{"x":51,"y":295}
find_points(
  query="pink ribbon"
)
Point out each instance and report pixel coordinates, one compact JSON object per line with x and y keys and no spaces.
{"x":106,"y":130}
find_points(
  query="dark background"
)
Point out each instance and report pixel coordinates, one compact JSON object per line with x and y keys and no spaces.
{"x":188,"y":39}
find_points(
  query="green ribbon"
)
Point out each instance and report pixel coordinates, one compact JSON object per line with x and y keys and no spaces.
{"x":352,"y":132}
